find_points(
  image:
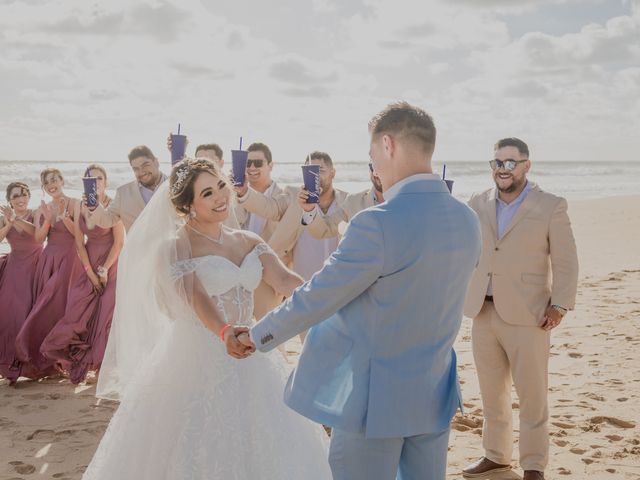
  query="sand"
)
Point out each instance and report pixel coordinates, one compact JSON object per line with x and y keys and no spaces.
{"x":50,"y":429}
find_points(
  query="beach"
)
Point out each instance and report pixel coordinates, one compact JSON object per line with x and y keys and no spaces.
{"x":50,"y":429}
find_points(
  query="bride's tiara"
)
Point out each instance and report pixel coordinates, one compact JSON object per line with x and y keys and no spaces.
{"x":182,"y":173}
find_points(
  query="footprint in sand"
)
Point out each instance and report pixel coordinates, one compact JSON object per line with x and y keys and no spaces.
{"x":614,"y":438}
{"x":563,"y":425}
{"x":39,"y":434}
{"x":22,"y":468}
{"x":564,"y":471}
{"x":577,"y":451}
{"x":594,"y":396}
{"x":561,"y":443}
{"x":616,"y":422}
{"x":575,"y":355}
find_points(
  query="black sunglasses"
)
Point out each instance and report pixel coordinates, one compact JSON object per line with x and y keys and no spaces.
{"x":371,"y":167}
{"x":256,"y":163}
{"x":509,"y":164}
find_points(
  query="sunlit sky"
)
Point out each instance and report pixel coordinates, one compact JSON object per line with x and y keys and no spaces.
{"x":87,"y":80}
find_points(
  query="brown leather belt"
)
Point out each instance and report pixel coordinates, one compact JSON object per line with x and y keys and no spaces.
{"x":488,"y":298}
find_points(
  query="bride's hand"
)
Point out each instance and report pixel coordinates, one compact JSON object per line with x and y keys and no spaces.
{"x":234,"y":347}
{"x":245,"y":339}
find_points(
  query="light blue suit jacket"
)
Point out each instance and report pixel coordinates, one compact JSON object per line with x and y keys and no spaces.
{"x":385,"y":311}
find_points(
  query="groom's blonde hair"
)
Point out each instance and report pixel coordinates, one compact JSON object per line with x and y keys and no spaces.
{"x":405,"y":122}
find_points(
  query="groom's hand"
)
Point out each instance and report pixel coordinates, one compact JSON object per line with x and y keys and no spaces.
{"x":245,"y":339}
{"x":234,"y":347}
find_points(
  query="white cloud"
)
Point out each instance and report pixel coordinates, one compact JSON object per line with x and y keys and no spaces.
{"x":81,"y":78}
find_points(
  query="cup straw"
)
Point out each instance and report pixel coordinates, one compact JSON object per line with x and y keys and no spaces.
{"x":240,"y":143}
{"x":444,"y":170}
{"x":178,"y":129}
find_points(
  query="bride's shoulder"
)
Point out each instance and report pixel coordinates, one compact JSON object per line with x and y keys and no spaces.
{"x":244,"y":236}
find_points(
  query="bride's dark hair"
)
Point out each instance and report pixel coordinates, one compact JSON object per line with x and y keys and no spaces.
{"x":182,"y":178}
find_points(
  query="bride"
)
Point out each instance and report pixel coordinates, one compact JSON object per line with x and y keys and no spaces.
{"x":187,"y":409}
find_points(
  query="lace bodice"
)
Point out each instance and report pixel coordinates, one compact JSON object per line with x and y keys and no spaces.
{"x":230,"y":285}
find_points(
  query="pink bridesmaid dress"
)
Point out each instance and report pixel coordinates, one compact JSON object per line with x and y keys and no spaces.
{"x":78,"y":340}
{"x":50,"y":287}
{"x":17,"y":271}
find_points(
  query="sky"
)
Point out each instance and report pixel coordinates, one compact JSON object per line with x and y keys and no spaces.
{"x":87,"y":81}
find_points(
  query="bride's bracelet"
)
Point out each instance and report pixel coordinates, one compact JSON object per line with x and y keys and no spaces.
{"x":224,"y":329}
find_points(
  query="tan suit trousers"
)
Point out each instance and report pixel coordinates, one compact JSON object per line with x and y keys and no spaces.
{"x":503,"y":351}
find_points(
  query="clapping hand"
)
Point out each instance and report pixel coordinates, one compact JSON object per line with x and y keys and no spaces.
{"x":7,"y":213}
{"x":238,"y":343}
{"x":47,"y":212}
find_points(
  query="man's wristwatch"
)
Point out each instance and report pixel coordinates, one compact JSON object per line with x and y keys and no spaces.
{"x":561,"y":310}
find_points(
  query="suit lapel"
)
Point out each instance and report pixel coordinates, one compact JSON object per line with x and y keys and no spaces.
{"x":138,"y":196}
{"x":490,"y":211}
{"x":523,"y":210}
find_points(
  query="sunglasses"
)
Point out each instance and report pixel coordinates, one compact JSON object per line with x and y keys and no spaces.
{"x":509,"y":164}
{"x":19,"y":195}
{"x":256,"y":163}
{"x":371,"y":167}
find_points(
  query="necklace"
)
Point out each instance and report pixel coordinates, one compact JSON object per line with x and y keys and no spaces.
{"x":218,"y":241}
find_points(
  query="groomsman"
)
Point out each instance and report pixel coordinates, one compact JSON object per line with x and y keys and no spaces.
{"x":290,"y":240}
{"x":259,"y":168}
{"x":213,"y":152}
{"x":132,"y":197}
{"x":524,"y":284}
{"x":323,"y":226}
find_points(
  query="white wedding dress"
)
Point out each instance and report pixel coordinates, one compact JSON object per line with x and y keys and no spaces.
{"x":190,"y":411}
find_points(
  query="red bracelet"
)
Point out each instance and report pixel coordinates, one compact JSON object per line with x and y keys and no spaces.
{"x":224,"y":329}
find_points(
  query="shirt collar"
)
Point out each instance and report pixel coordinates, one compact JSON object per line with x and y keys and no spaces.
{"x":396,"y":187}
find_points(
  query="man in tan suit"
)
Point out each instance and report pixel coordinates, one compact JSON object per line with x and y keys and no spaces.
{"x":524,"y":284}
{"x":259,"y":168}
{"x":132,"y":197}
{"x":323,"y":226}
{"x":303,"y":253}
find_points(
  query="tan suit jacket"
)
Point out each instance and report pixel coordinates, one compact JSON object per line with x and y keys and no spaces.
{"x":128,"y":205}
{"x":286,"y":235}
{"x":282,"y":231}
{"x":533,"y":265}
{"x":265,"y":297}
{"x":328,"y":226}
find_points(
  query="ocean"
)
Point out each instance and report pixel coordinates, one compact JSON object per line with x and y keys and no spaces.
{"x":572,"y":180}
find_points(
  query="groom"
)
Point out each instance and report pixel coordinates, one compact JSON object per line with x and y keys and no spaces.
{"x":378,"y":365}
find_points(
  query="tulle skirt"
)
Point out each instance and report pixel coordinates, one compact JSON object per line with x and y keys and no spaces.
{"x":193,"y":412}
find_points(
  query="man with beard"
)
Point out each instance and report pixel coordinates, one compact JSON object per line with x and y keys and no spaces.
{"x":525,"y":282}
{"x":289,"y":240}
{"x":132,"y":197}
{"x":322,"y":226}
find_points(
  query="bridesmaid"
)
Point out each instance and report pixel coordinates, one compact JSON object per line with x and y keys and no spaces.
{"x":78,"y":340}
{"x":54,"y":222}
{"x":16,"y":274}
